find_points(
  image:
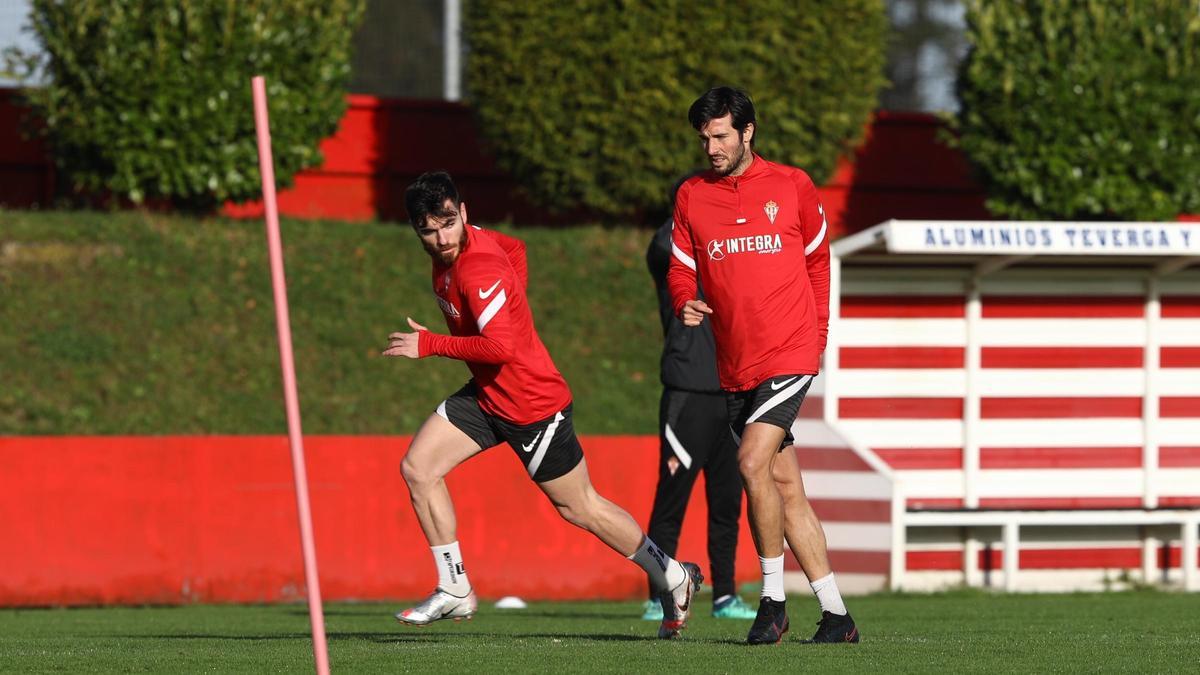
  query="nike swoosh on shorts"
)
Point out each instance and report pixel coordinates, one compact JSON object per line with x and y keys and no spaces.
{"x":529,"y":448}
{"x":777,"y":386}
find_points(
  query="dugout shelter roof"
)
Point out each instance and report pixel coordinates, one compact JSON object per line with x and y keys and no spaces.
{"x":987,"y":245}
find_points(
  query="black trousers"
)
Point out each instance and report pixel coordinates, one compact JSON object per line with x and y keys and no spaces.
{"x":693,"y":437}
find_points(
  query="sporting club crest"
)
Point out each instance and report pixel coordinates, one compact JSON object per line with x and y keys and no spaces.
{"x":772,"y":210}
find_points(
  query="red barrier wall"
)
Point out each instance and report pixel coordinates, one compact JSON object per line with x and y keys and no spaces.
{"x":900,"y":171}
{"x":90,"y":520}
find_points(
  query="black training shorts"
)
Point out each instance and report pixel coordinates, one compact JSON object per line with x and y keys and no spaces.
{"x":548,"y":448}
{"x":776,"y":400}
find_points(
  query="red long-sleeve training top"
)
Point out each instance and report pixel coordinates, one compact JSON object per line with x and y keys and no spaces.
{"x":759,"y":242}
{"x":482,"y":295}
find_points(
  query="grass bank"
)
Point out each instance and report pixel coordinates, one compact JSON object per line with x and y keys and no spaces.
{"x":137,"y":323}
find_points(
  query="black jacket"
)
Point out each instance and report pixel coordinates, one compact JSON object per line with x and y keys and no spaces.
{"x":689,"y":358}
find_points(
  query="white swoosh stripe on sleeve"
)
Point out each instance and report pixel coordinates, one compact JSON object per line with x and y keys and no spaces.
{"x":817,"y":241}
{"x":682,"y":257}
{"x":545,"y":445}
{"x":490,"y":311}
{"x":779,"y":398}
{"x":684,"y":458}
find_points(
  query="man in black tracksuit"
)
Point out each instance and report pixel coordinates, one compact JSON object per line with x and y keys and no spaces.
{"x":694,"y":435}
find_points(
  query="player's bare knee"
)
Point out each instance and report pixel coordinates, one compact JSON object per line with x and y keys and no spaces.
{"x":568,"y":514}
{"x":753,"y":468}
{"x":575,"y":516}
{"x":415,"y":473}
{"x":581,"y":512}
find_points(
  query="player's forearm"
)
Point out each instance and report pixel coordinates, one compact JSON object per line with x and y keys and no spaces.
{"x":477,"y":348}
{"x":820,"y":289}
{"x":816,"y":262}
{"x":681,"y":281}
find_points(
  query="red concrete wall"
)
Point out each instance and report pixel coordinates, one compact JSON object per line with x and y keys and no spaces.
{"x":91,"y":520}
{"x":900,"y":171}
{"x":380,"y":146}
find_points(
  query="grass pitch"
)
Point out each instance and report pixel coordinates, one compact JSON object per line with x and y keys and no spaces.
{"x":953,"y":632}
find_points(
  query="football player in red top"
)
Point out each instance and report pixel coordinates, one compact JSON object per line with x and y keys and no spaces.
{"x":755,"y":232}
{"x":515,"y":396}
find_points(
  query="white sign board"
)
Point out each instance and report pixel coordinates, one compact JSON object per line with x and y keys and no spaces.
{"x":1055,"y":238}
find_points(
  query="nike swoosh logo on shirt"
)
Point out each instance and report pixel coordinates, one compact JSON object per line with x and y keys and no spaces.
{"x":483,"y":295}
{"x":529,"y":448}
{"x":776,"y":386}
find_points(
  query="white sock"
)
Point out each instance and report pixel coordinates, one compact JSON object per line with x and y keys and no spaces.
{"x":452,"y":575}
{"x":772,"y":570}
{"x":664,"y":571}
{"x":828,"y":595}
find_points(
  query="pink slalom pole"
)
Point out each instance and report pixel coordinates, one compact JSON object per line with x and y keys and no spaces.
{"x":283,"y":327}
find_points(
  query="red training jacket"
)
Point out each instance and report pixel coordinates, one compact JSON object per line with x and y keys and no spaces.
{"x":759,"y":243}
{"x":482,"y":294}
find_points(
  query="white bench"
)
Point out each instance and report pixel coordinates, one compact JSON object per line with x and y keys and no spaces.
{"x":1011,"y":522}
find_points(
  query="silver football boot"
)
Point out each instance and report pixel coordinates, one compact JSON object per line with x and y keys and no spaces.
{"x":677,"y":602}
{"x":439,"y":605}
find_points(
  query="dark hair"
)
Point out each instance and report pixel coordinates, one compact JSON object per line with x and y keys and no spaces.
{"x":719,"y":102}
{"x":427,"y":196}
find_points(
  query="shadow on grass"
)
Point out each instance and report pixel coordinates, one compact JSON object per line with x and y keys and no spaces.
{"x":585,"y":637}
{"x":374,"y":637}
{"x":536,"y":614}
{"x":507,"y":614}
{"x":595,"y":637}
{"x":410,"y":636}
{"x":342,"y":612}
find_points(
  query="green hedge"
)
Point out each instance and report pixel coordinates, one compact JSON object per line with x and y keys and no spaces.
{"x":150,"y":100}
{"x":1084,"y":109}
{"x":586,"y":101}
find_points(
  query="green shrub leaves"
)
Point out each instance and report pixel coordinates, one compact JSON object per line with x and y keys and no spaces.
{"x":151,"y":100}
{"x":585,"y":102}
{"x":1084,"y":109}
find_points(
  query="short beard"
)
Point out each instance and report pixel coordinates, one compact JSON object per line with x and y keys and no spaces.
{"x":439,"y":256}
{"x":734,"y":163}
